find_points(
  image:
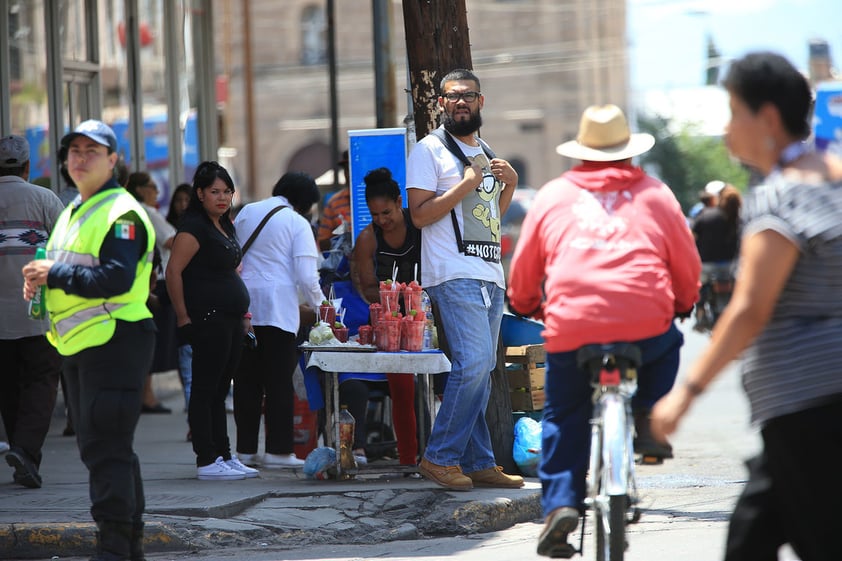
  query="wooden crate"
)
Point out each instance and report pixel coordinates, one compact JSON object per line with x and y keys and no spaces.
{"x":527,"y":400}
{"x":525,"y":370}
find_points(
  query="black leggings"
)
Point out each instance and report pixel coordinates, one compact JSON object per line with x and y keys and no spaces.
{"x":266,"y":373}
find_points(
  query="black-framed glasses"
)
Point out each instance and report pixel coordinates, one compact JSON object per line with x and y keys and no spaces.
{"x":469,"y":97}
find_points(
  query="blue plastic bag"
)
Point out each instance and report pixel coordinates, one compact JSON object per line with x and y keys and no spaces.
{"x":320,"y":464}
{"x":527,"y":446}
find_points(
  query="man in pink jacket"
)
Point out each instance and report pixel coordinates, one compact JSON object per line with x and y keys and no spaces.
{"x":604,"y":255}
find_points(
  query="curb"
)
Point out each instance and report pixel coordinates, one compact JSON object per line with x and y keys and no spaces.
{"x":27,"y":541}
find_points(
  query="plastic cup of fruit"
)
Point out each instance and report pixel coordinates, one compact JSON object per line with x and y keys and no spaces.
{"x":389,"y":300}
{"x":341,"y":334}
{"x":375,"y":313}
{"x":413,"y":335}
{"x":389,"y":336}
{"x":411,"y":299}
{"x":327,"y":314}
{"x":365,"y":335}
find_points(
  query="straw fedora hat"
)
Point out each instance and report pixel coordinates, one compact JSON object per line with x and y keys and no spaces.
{"x":604,"y":136}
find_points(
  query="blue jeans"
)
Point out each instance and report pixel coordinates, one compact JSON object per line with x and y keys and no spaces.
{"x":566,"y":434}
{"x":470,"y":312}
{"x":185,"y":370}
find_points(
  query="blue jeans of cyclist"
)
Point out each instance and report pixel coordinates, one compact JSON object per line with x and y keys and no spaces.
{"x":470,"y":313}
{"x":566,"y":434}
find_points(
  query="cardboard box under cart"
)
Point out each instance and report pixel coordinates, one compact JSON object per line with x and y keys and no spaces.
{"x":525,"y":370}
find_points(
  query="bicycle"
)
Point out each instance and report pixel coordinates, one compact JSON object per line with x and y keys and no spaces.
{"x":612,"y":491}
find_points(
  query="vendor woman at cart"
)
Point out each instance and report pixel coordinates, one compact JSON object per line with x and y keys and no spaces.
{"x":391,"y":242}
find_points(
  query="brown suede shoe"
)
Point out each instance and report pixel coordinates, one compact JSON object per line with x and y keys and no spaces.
{"x":449,"y":477}
{"x":494,"y":477}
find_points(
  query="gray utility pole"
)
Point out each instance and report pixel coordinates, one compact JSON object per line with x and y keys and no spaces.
{"x":384,"y":67}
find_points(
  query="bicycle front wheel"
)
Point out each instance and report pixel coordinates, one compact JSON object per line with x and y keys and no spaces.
{"x":611,"y":529}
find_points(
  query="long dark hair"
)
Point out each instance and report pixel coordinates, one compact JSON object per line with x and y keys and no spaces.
{"x":136,"y":180}
{"x":172,"y":216}
{"x":205,"y":175}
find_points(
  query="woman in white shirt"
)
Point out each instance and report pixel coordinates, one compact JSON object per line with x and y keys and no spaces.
{"x":280,"y":263}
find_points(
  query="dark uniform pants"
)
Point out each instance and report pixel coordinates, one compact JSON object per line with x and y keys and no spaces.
{"x":105,"y":388}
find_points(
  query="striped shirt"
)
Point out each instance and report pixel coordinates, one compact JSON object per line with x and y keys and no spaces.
{"x":796,"y":362}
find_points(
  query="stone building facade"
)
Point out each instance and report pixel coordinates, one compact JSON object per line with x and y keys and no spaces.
{"x":540,"y":62}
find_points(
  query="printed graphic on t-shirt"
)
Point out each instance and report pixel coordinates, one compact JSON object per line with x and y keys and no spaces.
{"x":599,"y":227}
{"x":481,"y":216}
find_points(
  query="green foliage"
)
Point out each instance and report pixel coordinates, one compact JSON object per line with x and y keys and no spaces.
{"x":686,"y":161}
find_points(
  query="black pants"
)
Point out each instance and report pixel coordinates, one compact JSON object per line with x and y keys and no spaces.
{"x":29,"y":377}
{"x":105,"y":388}
{"x":217,"y":346}
{"x":792,"y":495}
{"x":266,"y":373}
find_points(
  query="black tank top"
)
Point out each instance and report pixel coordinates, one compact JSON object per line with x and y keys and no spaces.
{"x":406,"y":256}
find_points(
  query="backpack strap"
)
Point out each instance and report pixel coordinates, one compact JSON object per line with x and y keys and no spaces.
{"x":260,"y":226}
{"x":454,"y":149}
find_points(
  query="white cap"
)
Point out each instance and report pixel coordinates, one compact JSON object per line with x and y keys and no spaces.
{"x":714,"y":187}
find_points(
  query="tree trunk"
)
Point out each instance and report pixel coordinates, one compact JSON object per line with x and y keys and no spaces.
{"x":436,"y":43}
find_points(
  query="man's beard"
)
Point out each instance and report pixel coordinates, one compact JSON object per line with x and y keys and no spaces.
{"x":462,"y":128}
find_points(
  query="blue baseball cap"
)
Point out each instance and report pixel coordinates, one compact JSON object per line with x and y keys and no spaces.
{"x":97,"y":131}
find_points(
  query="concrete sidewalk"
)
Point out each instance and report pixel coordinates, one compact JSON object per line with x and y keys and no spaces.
{"x":280,"y":507}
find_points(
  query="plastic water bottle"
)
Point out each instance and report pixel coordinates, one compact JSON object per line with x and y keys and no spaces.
{"x":430,"y":327}
{"x":346,"y":442}
{"x":37,"y":305}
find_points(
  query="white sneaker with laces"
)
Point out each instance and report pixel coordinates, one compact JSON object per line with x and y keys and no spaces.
{"x":282,"y":461}
{"x":252,"y":460}
{"x":235,"y":463}
{"x":219,"y":471}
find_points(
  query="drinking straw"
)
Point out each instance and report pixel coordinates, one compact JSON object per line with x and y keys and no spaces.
{"x":394,"y":275}
{"x":415,"y":272}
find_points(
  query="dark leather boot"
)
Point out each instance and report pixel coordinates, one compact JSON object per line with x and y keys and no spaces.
{"x":113,"y":541}
{"x":644,"y":443}
{"x":136,"y":545}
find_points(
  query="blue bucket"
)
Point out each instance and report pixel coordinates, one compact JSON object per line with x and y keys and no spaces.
{"x":517,"y":331}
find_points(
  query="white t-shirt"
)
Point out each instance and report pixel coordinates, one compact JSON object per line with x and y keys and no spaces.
{"x":432,"y":167}
{"x":163,"y":231}
{"x":281,"y":261}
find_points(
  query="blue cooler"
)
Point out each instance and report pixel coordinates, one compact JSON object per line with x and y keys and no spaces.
{"x":517,"y":331}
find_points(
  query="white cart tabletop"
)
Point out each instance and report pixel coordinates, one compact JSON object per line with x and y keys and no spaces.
{"x":424,"y":362}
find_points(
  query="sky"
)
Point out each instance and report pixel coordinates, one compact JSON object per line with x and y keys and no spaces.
{"x":668,"y":45}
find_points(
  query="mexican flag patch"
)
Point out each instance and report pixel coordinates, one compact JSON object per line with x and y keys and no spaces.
{"x":124,"y":230}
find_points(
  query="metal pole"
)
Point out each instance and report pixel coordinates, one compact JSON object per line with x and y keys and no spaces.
{"x":248,"y":82}
{"x":55,"y":92}
{"x":334,"y":112}
{"x":5,"y":74}
{"x":175,"y":161}
{"x":136,"y":132}
{"x":384,"y":73}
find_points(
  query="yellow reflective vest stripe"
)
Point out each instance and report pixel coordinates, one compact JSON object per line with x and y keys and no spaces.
{"x":78,"y":323}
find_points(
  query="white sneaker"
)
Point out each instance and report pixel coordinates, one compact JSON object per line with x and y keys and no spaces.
{"x":4,"y":447}
{"x":252,"y":460}
{"x":361,"y":459}
{"x":281,"y":461}
{"x":219,"y":471}
{"x":235,"y":463}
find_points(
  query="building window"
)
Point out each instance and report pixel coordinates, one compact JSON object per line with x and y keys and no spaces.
{"x":313,"y":36}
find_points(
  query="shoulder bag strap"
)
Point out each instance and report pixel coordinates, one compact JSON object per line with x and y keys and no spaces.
{"x":260,"y":226}
{"x":454,"y":149}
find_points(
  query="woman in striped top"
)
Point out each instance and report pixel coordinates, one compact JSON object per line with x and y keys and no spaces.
{"x":785,"y":317}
